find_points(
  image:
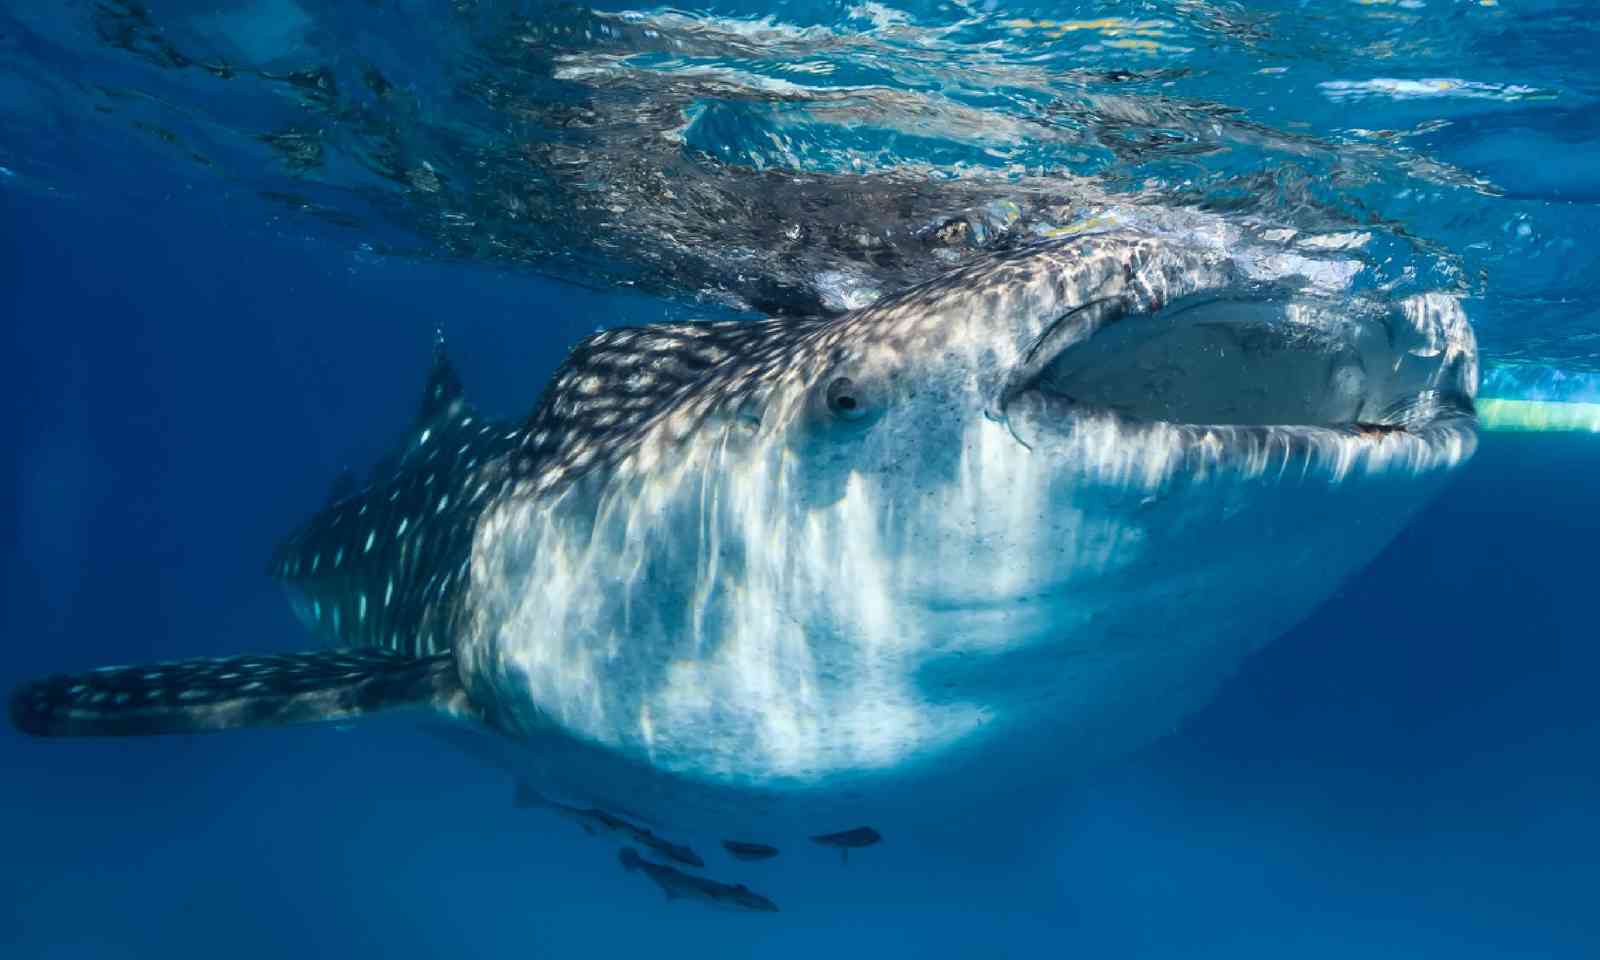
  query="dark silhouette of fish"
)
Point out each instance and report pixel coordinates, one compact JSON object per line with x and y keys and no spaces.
{"x":846,"y":840}
{"x":749,"y":851}
{"x":596,"y":822}
{"x":678,"y":885}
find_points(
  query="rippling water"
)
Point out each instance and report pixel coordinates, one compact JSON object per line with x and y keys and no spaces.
{"x":807,"y":157}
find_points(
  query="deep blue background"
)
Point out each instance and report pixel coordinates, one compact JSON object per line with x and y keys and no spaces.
{"x":1411,"y":773}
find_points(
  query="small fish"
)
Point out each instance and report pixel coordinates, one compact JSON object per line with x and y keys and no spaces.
{"x":845,"y":840}
{"x":749,"y":851}
{"x":596,"y":822}
{"x":678,"y":885}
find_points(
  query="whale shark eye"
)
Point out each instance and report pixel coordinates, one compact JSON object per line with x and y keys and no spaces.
{"x":845,"y":399}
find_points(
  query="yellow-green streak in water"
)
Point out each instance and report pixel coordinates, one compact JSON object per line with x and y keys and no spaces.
{"x":1537,"y":416}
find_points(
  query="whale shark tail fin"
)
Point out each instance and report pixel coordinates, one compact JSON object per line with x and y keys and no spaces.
{"x":206,"y":695}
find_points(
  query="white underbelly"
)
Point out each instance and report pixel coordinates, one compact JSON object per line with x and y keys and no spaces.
{"x":740,"y":696}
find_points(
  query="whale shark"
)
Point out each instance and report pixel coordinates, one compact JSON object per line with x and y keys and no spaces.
{"x":778,"y":579}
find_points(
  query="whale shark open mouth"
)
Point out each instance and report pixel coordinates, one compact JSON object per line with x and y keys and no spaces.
{"x":1241,"y":378}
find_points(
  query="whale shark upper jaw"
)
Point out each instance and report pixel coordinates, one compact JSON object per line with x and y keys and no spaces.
{"x":1256,"y":383}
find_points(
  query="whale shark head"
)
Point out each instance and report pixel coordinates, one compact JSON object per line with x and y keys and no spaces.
{"x":1053,"y":498}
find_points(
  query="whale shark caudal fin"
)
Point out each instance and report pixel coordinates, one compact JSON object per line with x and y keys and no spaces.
{"x":204,"y":695}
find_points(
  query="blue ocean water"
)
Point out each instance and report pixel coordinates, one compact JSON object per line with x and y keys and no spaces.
{"x":1408,"y":773}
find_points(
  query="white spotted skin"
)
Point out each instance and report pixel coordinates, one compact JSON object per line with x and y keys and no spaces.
{"x":402,"y":537}
{"x":762,"y":605}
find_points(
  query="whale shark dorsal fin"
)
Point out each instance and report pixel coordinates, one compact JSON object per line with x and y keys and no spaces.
{"x":442,"y":391}
{"x":443,"y":421}
{"x":343,"y":486}
{"x":205,"y":695}
{"x":443,"y":414}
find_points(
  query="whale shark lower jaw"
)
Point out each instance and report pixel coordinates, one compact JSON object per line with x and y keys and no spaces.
{"x":1119,"y":452}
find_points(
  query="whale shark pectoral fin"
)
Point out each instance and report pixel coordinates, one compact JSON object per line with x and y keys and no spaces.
{"x":205,"y":695}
